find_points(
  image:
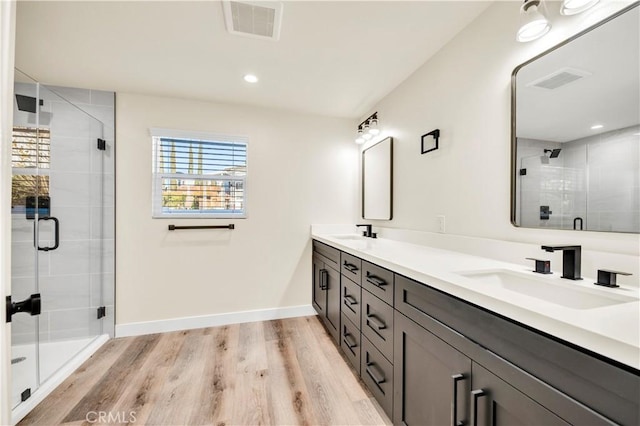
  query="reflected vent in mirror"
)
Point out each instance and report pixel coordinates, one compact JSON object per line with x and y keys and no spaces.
{"x":559,"y":78}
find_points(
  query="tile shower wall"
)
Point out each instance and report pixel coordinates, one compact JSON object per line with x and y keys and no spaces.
{"x":614,"y":180}
{"x":595,"y":178}
{"x":77,"y":277}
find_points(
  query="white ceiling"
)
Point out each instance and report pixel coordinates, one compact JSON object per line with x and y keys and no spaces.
{"x":336,"y":58}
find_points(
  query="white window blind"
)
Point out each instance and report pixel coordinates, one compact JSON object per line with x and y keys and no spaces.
{"x":198,"y":175}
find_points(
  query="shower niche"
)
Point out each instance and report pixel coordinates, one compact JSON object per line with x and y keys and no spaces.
{"x":62,"y":230}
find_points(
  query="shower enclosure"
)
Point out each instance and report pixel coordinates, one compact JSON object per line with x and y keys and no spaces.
{"x":62,"y":230}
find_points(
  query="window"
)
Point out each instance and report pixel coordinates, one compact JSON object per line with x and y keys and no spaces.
{"x":198,"y":175}
{"x":30,"y":149}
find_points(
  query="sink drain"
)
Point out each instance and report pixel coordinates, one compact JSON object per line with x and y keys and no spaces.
{"x":18,"y":359}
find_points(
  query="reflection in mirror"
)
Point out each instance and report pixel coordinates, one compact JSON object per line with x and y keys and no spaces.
{"x":377,"y":180}
{"x":576,"y":132}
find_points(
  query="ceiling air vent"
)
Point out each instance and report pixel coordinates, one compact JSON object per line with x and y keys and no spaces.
{"x":260,"y":19}
{"x":559,"y":78}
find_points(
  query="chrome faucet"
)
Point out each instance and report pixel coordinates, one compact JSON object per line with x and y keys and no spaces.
{"x":367,"y":232}
{"x":571,"y":256}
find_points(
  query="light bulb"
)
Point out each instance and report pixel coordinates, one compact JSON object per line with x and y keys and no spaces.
{"x":573,"y":7}
{"x":534,"y":23}
{"x":373,"y":127}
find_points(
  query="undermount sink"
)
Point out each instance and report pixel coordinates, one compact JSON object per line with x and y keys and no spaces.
{"x":355,"y":237}
{"x":570,"y":294}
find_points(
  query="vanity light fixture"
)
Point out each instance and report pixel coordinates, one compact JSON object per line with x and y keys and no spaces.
{"x":597,"y":126}
{"x":250,"y":78}
{"x":573,"y":7}
{"x":368,"y":129}
{"x":533,"y":23}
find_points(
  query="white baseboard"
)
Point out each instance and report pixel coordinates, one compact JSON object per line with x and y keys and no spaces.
{"x":187,"y":323}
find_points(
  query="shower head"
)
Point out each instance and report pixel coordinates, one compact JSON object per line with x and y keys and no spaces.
{"x":26,"y":103}
{"x":554,"y":152}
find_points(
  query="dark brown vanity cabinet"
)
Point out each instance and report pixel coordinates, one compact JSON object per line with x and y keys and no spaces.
{"x":326,"y":287}
{"x":433,"y":359}
{"x":438,"y":385}
{"x":432,"y":379}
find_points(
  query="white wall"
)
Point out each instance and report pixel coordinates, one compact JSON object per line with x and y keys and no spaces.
{"x":464,"y":90}
{"x":301,"y":170}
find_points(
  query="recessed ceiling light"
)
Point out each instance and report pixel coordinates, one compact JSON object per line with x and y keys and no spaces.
{"x":597,"y":126}
{"x":250,"y":78}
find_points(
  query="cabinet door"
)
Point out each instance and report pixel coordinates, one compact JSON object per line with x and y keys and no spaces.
{"x":495,"y":402}
{"x":432,"y":379}
{"x":332,"y":285}
{"x":319,"y":294}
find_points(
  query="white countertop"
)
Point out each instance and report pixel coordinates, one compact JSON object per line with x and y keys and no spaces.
{"x":603,"y":320}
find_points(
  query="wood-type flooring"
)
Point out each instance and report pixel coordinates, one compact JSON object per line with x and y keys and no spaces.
{"x":282,"y":372}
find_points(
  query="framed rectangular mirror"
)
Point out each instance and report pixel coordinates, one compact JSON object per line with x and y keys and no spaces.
{"x":377,"y":181}
{"x":575,"y":149}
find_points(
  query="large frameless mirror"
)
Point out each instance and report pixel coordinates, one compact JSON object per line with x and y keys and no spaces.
{"x":576,"y":132}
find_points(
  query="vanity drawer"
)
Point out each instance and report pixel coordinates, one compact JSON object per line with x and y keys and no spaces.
{"x":377,"y":323}
{"x":332,"y":255}
{"x":351,"y":301}
{"x":351,"y":267}
{"x":378,"y":281}
{"x":377,"y":374}
{"x":350,"y":342}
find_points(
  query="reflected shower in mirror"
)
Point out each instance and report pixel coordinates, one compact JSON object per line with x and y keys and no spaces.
{"x":576,"y":132}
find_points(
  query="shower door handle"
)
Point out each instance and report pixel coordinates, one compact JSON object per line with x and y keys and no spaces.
{"x":56,"y":233}
{"x":31,"y":305}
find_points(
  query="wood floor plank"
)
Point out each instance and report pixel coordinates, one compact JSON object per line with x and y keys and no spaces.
{"x":106,"y":392}
{"x":333,"y":403}
{"x":289,"y":398}
{"x":181,"y":388}
{"x":217,"y":388}
{"x":251,"y":376}
{"x":142,"y":391}
{"x":285,"y":372}
{"x":58,"y":404}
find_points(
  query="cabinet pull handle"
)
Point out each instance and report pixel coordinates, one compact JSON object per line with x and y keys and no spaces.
{"x":345,"y":339}
{"x":373,"y":374}
{"x":454,"y":408}
{"x":376,"y":322}
{"x":350,"y":299}
{"x":350,"y":267}
{"x":477,"y":394}
{"x":378,"y":282}
{"x":323,"y":279}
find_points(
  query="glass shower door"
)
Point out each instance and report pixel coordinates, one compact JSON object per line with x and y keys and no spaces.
{"x":57,"y":246}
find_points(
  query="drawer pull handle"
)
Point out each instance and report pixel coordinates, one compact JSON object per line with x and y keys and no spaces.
{"x":454,"y":407}
{"x":477,"y":394}
{"x":376,"y":322}
{"x":350,"y":299}
{"x":378,"y":282}
{"x":371,"y":371}
{"x":350,"y":344}
{"x":349,"y":267}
